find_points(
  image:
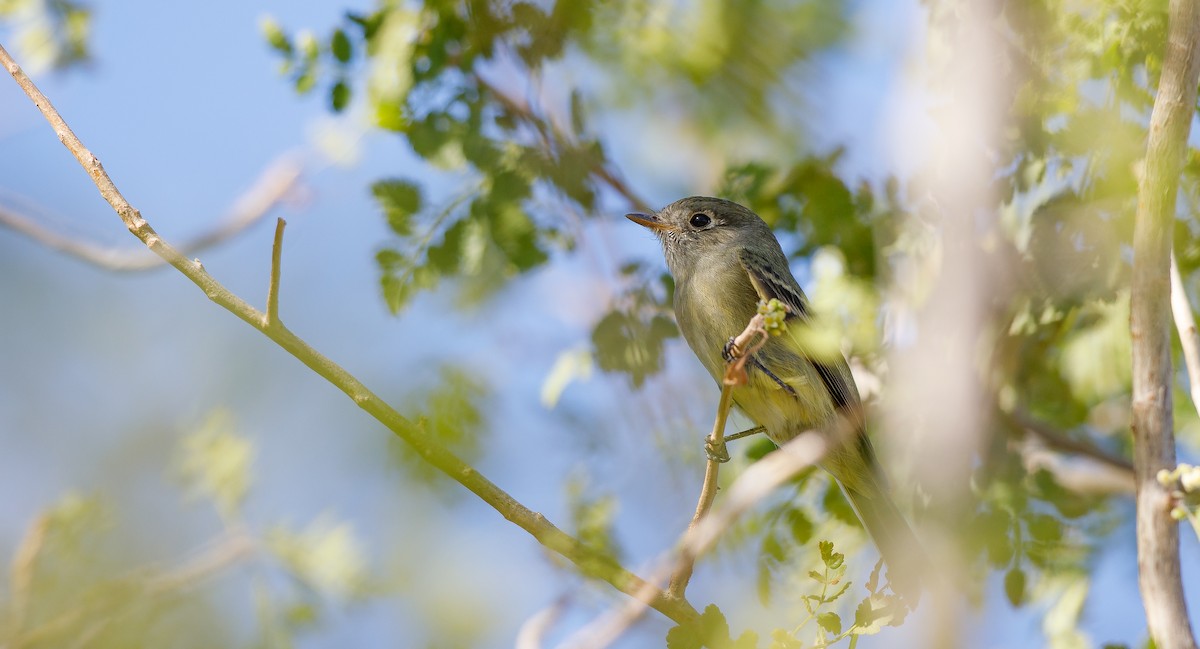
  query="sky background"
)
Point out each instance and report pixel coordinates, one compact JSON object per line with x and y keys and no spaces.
{"x":101,"y":373}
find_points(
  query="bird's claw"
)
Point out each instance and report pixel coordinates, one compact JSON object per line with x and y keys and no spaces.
{"x":730,"y":351}
{"x":716,"y":451}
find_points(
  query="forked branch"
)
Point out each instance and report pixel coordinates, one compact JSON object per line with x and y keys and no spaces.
{"x":589,"y":561}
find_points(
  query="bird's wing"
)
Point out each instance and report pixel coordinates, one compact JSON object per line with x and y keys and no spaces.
{"x":769,"y":283}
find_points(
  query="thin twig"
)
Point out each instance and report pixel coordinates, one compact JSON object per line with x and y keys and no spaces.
{"x":1150,"y":329}
{"x":1185,"y":323}
{"x":708,"y":491}
{"x":590,"y":561}
{"x":144,"y":584}
{"x":272,"y":316}
{"x":1058,"y":441}
{"x":229,"y":551}
{"x":24,"y":565}
{"x":743,"y":347}
{"x":277,"y":182}
{"x":755,"y":483}
{"x":552,"y":137}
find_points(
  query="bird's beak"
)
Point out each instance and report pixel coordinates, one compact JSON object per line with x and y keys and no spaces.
{"x":647,"y":220}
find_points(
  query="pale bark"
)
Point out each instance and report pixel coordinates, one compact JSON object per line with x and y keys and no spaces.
{"x":1150,"y":322}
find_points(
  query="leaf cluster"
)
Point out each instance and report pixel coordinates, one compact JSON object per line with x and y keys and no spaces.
{"x":879,"y":608}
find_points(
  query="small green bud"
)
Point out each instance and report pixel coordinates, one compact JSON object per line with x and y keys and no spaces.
{"x":1189,"y":477}
{"x":773,"y":312}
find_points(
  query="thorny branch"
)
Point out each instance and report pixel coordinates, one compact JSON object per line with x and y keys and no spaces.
{"x":590,"y":561}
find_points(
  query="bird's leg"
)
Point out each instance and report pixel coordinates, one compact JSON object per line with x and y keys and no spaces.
{"x":718,"y":452}
{"x":745,"y":433}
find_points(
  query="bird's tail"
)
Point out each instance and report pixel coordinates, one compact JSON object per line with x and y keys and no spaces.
{"x":899,"y":547}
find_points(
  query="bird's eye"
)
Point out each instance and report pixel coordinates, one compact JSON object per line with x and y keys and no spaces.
{"x":699,"y":220}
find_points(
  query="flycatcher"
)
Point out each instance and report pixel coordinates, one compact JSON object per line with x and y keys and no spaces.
{"x":725,"y":259}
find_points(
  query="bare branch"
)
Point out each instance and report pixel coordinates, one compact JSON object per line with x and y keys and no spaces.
{"x":277,"y":182}
{"x":1149,"y":325}
{"x":1185,"y":323}
{"x":590,"y":561}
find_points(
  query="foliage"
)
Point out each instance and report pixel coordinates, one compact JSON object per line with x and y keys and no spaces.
{"x":79,"y":575}
{"x":876,"y":610}
{"x":471,"y":87}
{"x":448,"y":411}
{"x":50,"y":33}
{"x":1066,"y":179}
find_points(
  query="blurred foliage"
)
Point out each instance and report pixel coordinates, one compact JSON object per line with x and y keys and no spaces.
{"x":629,"y":338}
{"x":512,"y":100}
{"x":80,"y":576}
{"x":430,"y":74}
{"x":448,"y":411}
{"x":592,"y":519}
{"x":827,"y":586}
{"x":49,"y":33}
{"x":215,"y":463}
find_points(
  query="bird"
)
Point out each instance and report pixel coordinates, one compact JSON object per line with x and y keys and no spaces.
{"x":725,"y":261}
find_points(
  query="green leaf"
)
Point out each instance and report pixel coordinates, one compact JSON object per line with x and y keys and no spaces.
{"x":772,"y":548}
{"x":340,"y":47}
{"x":760,"y":448}
{"x":1044,"y":527}
{"x":836,"y":505}
{"x":516,"y":235}
{"x":339,"y":96}
{"x":306,"y":80}
{"x":275,"y":36}
{"x":628,"y":343}
{"x":399,"y":199}
{"x":1014,"y":586}
{"x":447,"y":256}
{"x":876,"y":612}
{"x":709,"y":630}
{"x":831,"y":622}
{"x":762,"y":582}
{"x":832,"y":560}
{"x":800,"y":525}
